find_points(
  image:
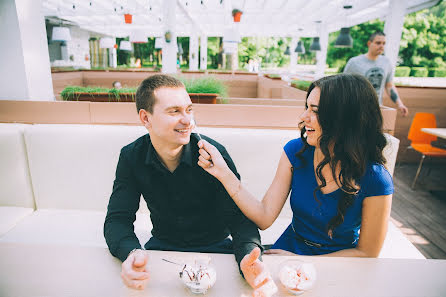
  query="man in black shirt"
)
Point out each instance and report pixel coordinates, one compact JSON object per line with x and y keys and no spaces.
{"x":190,"y":209}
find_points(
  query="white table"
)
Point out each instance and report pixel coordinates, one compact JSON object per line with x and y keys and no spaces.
{"x":44,"y":270}
{"x":440,"y":132}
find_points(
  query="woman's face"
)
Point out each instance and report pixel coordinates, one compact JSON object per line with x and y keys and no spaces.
{"x":309,"y":117}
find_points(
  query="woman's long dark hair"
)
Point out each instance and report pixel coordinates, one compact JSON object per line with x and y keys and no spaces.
{"x":351,"y":122}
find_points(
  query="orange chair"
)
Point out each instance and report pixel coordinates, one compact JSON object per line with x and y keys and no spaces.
{"x":421,"y":142}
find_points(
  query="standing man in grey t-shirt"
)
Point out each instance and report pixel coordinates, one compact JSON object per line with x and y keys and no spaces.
{"x":377,"y":69}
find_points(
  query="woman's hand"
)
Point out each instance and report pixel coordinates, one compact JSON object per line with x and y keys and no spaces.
{"x":279,"y":252}
{"x":211,"y":160}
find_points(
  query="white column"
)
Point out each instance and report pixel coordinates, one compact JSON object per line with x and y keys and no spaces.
{"x":25,"y":72}
{"x":293,"y":55}
{"x":169,"y":49}
{"x":113,"y":57}
{"x":203,"y":52}
{"x":393,"y":29}
{"x":193,"y":52}
{"x":321,"y":56}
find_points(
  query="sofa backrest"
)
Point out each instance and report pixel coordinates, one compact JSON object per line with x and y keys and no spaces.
{"x":15,"y":183}
{"x":73,"y":166}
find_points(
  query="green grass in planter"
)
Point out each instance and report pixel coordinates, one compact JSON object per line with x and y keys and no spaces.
{"x":71,"y":92}
{"x":273,"y":75}
{"x":207,"y":84}
{"x":301,"y":84}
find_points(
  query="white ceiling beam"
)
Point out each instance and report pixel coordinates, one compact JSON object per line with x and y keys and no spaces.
{"x":190,"y":17}
{"x":421,"y":6}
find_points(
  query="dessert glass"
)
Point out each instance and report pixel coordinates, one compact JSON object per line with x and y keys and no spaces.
{"x":198,"y":276}
{"x":297,"y":276}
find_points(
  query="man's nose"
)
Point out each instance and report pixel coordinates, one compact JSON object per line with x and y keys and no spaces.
{"x":186,"y":119}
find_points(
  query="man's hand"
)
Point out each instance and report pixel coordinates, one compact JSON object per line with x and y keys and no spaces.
{"x":134,"y":272}
{"x":403,"y":109}
{"x":257,"y":276}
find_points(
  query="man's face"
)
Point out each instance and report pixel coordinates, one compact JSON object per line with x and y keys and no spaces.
{"x":170,"y":122}
{"x":376,"y":47}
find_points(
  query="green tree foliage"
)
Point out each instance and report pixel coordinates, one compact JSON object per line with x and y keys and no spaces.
{"x":423,"y":42}
{"x":269,"y":51}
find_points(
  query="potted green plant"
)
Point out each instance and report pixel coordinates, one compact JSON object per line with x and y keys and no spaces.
{"x":168,"y":36}
{"x":273,"y":76}
{"x":97,"y":94}
{"x":237,"y":14}
{"x":301,"y":84}
{"x":205,"y":89}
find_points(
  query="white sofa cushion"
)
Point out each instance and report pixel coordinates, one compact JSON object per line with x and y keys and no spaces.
{"x":70,"y":227}
{"x":11,"y":215}
{"x":397,"y":246}
{"x":391,"y":151}
{"x":15,"y":183}
{"x":73,"y":166}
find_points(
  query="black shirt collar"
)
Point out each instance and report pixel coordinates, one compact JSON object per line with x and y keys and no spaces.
{"x":190,"y":152}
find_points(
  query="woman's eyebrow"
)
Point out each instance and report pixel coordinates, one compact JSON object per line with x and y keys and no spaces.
{"x":314,"y":105}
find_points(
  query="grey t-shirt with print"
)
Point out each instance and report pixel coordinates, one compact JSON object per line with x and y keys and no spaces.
{"x":378,"y":72}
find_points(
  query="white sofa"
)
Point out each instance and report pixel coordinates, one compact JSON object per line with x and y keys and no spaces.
{"x":56,"y":181}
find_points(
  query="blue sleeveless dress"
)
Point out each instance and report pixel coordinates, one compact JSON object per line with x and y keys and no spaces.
{"x":307,"y":233}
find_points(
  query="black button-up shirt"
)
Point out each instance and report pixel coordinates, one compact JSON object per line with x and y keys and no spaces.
{"x":188,"y":207}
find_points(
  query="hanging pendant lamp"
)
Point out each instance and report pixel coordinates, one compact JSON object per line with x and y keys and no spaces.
{"x":344,"y":39}
{"x":315,"y":46}
{"x":125,"y":45}
{"x":61,"y":34}
{"x":300,"y":48}
{"x":287,"y":51}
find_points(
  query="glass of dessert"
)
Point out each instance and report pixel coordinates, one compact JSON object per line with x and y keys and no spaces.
{"x":198,"y":276}
{"x":297,"y":276}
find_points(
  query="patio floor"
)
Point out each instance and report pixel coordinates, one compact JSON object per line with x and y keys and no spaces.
{"x":421,"y":213}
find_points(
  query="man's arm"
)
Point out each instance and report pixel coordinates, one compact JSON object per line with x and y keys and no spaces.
{"x":121,"y":213}
{"x":393,"y":94}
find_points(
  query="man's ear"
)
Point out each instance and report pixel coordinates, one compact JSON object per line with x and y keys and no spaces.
{"x":144,"y":117}
{"x":369,"y":43}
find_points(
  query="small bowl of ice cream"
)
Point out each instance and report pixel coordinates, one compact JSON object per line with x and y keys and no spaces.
{"x":297,"y":276}
{"x":198,"y":277}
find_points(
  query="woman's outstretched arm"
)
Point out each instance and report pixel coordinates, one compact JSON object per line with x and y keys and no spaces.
{"x":262,"y":213}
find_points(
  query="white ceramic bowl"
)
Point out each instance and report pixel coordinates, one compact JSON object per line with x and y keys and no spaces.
{"x":297,"y":276}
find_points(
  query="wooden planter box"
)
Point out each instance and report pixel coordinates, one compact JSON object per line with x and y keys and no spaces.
{"x":272,"y":76}
{"x":203,"y":98}
{"x":102,"y":97}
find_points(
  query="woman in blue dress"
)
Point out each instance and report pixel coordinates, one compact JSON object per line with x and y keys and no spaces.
{"x":341,"y":193}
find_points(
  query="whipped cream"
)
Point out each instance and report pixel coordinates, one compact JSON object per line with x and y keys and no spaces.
{"x":198,"y":277}
{"x":298,"y":276}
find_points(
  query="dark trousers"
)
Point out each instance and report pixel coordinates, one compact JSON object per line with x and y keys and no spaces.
{"x":221,"y":247}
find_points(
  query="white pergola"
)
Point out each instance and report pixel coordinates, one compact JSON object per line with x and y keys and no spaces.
{"x":22,"y":24}
{"x":280,"y":18}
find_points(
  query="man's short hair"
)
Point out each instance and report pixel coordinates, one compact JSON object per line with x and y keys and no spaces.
{"x":377,"y":33}
{"x":145,"y":97}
